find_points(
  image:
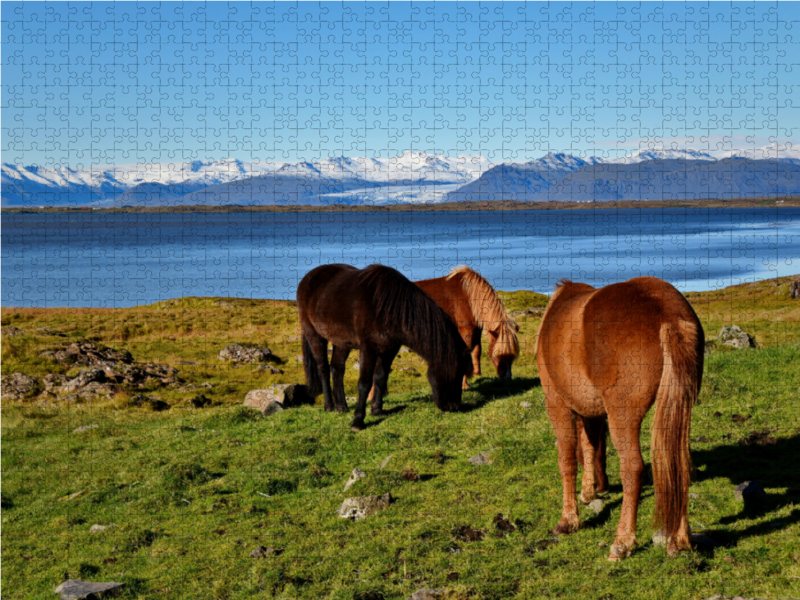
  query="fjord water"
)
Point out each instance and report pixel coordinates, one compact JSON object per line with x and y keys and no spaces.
{"x":127,"y":259}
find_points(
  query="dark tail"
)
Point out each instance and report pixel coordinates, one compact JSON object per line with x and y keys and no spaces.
{"x":682,"y":344}
{"x":313,"y":382}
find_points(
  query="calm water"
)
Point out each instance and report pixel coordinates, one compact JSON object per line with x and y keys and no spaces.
{"x":125,"y":260}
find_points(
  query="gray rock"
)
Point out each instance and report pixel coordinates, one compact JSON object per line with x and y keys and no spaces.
{"x":75,"y":589}
{"x":12,"y":331}
{"x":354,"y":476}
{"x":245,"y":353}
{"x":98,"y":528}
{"x":357,"y":366}
{"x":87,"y":353}
{"x":596,"y":506}
{"x":269,"y":369}
{"x":481,"y":459}
{"x":285,"y":394}
{"x":18,"y":386}
{"x":794,"y":290}
{"x":83,"y":428}
{"x":404,"y":349}
{"x":428,"y":594}
{"x":693,"y":496}
{"x":262,"y":552}
{"x":736,"y":337}
{"x":53,"y":380}
{"x":362,"y":507}
{"x":526,"y":405}
{"x":84,"y":378}
{"x":299,"y":358}
{"x":750,"y":491}
{"x":385,"y":461}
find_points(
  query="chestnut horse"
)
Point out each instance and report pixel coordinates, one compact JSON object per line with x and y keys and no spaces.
{"x":376,"y":310}
{"x":611,"y":353}
{"x":474,"y":306}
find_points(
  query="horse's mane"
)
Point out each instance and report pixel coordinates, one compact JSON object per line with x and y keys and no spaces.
{"x":488,"y":310}
{"x":401,"y":305}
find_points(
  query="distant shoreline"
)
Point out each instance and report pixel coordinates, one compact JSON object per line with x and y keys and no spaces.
{"x":496,"y":205}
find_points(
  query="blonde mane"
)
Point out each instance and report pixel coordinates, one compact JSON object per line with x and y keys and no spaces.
{"x":488,"y":310}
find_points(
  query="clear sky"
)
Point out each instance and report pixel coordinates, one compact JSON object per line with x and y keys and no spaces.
{"x":104,"y":83}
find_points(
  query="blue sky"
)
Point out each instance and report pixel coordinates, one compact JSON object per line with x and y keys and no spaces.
{"x":102,"y":83}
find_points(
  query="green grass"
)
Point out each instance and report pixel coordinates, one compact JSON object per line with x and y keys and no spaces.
{"x":185,"y":488}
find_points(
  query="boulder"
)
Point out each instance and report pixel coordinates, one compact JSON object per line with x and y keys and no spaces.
{"x":362,"y":507}
{"x":84,"y":378}
{"x":284,"y":395}
{"x":736,"y":337}
{"x":18,"y":386}
{"x":596,"y":506}
{"x":794,"y":290}
{"x":246,"y":353}
{"x":75,"y":589}
{"x":87,"y":353}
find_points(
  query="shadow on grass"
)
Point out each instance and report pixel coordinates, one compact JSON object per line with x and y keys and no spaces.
{"x":772,"y":464}
{"x":495,"y":389}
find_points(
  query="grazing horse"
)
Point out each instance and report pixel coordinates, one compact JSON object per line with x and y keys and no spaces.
{"x":474,"y":306}
{"x":376,"y":310}
{"x":611,"y":353}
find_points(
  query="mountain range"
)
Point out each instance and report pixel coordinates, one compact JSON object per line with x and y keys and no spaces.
{"x":412,"y":177}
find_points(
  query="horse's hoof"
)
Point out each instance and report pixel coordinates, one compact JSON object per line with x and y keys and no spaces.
{"x":618,"y":552}
{"x":357,"y":427}
{"x":329,"y":409}
{"x":566,"y":526}
{"x":587,"y":498}
{"x":342,"y":409}
{"x":378,"y":413}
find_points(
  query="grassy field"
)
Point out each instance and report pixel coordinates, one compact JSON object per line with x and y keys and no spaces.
{"x":191,"y":491}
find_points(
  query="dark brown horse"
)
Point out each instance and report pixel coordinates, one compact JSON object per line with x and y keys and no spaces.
{"x":611,"y":353}
{"x":474,"y":306}
{"x":376,"y":310}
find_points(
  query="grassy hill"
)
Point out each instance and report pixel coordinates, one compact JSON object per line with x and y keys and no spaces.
{"x":191,"y":491}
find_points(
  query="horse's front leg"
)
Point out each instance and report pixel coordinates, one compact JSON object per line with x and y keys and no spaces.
{"x":381,"y":379}
{"x":338,"y":362}
{"x":367,"y":360}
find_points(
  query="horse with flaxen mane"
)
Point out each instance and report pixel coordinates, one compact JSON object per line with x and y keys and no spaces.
{"x":474,"y":306}
{"x":612,"y":353}
{"x":376,"y":310}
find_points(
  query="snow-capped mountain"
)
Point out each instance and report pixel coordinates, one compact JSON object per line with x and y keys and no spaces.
{"x":646,"y":154}
{"x":411,"y":177}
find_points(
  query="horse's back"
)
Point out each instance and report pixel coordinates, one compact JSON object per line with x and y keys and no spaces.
{"x":449,"y":294}
{"x":597,"y":343}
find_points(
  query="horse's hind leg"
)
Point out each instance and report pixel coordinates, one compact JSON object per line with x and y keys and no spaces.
{"x":338,"y":362}
{"x":476,"y":363}
{"x":367,"y":360}
{"x":625,"y":429}
{"x":563,"y":420}
{"x":380,"y":381}
{"x":319,"y":349}
{"x":590,"y":432}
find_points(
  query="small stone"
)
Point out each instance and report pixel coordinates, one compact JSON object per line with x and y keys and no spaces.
{"x":299,"y":358}
{"x":693,"y":496}
{"x":736,"y":337}
{"x":385,"y":461}
{"x":404,"y":349}
{"x":357,"y":366}
{"x":596,"y":506}
{"x":427,"y":594}
{"x":526,"y":405}
{"x":354,"y":476}
{"x":206,"y":385}
{"x":246,"y":353}
{"x":262,"y":552}
{"x":285,"y":395}
{"x":75,"y":589}
{"x":410,"y":474}
{"x":481,"y":459}
{"x":750,"y":491}
{"x":362,"y":507}
{"x":602,"y":544}
{"x":269,"y":369}
{"x":98,"y":528}
{"x":659,"y":539}
{"x":84,"y":428}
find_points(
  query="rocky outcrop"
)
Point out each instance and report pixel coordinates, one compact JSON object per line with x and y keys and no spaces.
{"x":362,"y":507}
{"x":87,"y":353}
{"x":19,"y":386}
{"x":246,"y":353}
{"x":277,"y":398}
{"x":736,"y":337}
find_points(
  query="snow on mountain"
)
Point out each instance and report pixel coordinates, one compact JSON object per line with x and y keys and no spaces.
{"x":646,"y":154}
{"x":770,"y":151}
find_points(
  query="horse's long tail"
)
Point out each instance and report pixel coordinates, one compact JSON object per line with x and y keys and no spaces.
{"x":313,"y":382}
{"x":682,"y":343}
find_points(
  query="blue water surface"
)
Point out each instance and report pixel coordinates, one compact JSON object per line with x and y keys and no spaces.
{"x":123,"y":260}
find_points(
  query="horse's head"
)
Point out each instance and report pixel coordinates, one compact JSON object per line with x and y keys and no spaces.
{"x":447,"y":384}
{"x":503,"y":348}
